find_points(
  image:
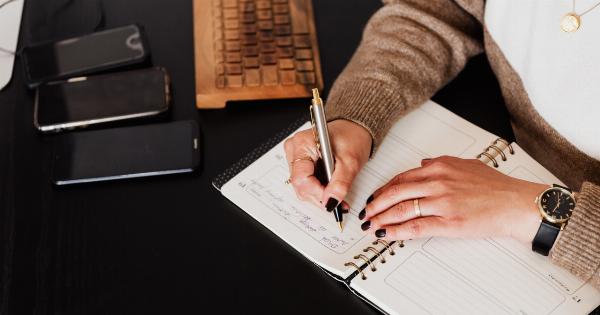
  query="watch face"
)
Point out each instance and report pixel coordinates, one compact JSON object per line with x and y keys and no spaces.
{"x":557,"y":204}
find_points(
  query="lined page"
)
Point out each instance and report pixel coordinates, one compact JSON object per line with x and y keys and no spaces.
{"x":261,"y":192}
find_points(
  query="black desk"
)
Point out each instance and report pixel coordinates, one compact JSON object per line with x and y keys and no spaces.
{"x":172,"y":244}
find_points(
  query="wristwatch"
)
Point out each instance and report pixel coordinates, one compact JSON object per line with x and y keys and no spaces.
{"x":556,"y":205}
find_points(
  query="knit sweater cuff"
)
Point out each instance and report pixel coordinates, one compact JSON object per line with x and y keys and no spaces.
{"x":368,"y":103}
{"x":578,"y":247}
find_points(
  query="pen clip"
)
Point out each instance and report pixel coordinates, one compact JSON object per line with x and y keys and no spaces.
{"x":314,"y":129}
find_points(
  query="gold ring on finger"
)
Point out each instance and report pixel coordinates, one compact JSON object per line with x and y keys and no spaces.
{"x":417,"y":208}
{"x":304,"y":158}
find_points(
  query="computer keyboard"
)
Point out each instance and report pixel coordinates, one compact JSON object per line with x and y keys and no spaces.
{"x":254,"y":50}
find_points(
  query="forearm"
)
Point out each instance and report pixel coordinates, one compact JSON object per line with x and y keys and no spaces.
{"x":578,"y":247}
{"x":409,"y":50}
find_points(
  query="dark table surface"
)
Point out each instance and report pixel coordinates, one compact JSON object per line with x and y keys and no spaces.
{"x":172,"y":244}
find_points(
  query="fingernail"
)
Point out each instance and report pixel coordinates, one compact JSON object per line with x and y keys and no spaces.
{"x":380,"y":233}
{"x":370,"y":199}
{"x":362,"y":214}
{"x":366,"y":225}
{"x":331,"y":204}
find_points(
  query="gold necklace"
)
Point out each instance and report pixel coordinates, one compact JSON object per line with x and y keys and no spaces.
{"x":572,"y":21}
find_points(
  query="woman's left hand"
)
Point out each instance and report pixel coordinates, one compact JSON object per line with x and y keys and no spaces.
{"x":457,"y":198}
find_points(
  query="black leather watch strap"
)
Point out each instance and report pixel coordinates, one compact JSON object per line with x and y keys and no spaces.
{"x":563,"y":187}
{"x":545,"y":238}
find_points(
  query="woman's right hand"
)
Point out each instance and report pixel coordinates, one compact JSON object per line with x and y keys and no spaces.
{"x":351,"y":145}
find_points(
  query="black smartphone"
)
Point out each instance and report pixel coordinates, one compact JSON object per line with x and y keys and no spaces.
{"x":57,"y":60}
{"x":127,"y":152}
{"x":84,"y":101}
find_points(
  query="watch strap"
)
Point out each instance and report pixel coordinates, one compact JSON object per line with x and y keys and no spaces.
{"x":563,"y":187}
{"x":545,"y":238}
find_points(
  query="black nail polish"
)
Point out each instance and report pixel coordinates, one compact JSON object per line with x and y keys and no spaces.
{"x":362,"y":214}
{"x":380,"y":233}
{"x":366,"y":225}
{"x":331,"y":204}
{"x":370,"y":199}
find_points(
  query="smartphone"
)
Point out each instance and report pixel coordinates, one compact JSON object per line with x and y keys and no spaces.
{"x":57,"y":60}
{"x":84,"y":101}
{"x":127,"y":152}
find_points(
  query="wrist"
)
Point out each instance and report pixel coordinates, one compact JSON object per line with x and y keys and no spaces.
{"x":529,"y":217}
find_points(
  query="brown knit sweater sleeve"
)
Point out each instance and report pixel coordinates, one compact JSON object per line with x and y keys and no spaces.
{"x":578,"y":246}
{"x":409,"y":50}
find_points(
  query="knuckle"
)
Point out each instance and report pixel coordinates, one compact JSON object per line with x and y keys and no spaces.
{"x":353,"y":165}
{"x":403,"y":210}
{"x":414,"y":228}
{"x":339,"y":187}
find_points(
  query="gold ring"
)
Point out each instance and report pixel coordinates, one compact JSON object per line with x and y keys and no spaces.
{"x":304,"y":158}
{"x":417,"y":208}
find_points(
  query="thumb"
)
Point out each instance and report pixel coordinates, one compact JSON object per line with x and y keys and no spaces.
{"x":343,"y":175}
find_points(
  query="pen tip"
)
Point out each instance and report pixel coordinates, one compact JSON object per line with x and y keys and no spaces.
{"x":341,"y":227}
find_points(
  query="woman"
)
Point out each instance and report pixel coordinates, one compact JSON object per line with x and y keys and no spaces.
{"x":547,"y":64}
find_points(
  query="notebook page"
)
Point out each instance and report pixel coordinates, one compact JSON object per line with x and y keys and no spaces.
{"x":457,"y":276}
{"x":260,"y":190}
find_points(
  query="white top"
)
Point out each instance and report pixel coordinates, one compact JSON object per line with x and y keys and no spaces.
{"x":10,"y":21}
{"x":560,"y":71}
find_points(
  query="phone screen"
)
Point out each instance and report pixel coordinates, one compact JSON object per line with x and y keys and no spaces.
{"x":76,"y":55}
{"x":128,"y":152}
{"x":102,"y":98}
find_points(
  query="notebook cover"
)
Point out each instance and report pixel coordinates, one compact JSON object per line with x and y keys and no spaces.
{"x":259,"y":151}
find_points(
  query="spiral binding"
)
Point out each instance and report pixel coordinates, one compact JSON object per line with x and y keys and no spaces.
{"x":370,"y":262}
{"x":497,"y":148}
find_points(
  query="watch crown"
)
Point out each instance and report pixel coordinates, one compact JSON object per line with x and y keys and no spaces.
{"x":536,"y":199}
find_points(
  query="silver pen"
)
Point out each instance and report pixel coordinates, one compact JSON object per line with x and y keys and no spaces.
{"x":319,"y":126}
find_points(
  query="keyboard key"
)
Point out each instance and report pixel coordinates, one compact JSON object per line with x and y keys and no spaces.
{"x":220,"y":69}
{"x":305,"y":65}
{"x":298,"y":10}
{"x":232,"y":35}
{"x":230,"y":13}
{"x":281,"y":19}
{"x":230,"y":3}
{"x":285,"y":52}
{"x":269,"y":75}
{"x":232,"y":24}
{"x":248,"y":7}
{"x":250,"y":51}
{"x":219,"y":57}
{"x":302,"y":41}
{"x":306,"y":77}
{"x":248,"y":18}
{"x":234,"y":68}
{"x":303,"y":54}
{"x":232,"y":45}
{"x":267,"y":47}
{"x":219,"y":46}
{"x":268,"y":59}
{"x":264,"y":14}
{"x":282,"y":30}
{"x":263,"y":4}
{"x":220,"y":82}
{"x":286,"y":64}
{"x":248,"y":28}
{"x":288,"y":77}
{"x":252,"y":77}
{"x":283,"y":41}
{"x":251,"y":62}
{"x":249,"y":39}
{"x":280,"y":9}
{"x":233,"y":57}
{"x":265,"y":25}
{"x":234,"y":81}
{"x":265,"y":36}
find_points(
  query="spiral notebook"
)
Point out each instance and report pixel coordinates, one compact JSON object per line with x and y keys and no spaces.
{"x":422,"y":276}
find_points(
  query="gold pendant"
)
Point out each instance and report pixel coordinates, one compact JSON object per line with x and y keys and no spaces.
{"x":570,"y":22}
